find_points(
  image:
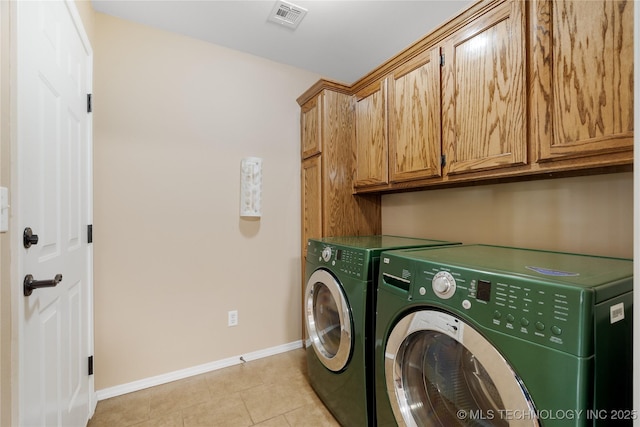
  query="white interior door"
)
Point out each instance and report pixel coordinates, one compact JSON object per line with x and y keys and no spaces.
{"x":54,"y":199}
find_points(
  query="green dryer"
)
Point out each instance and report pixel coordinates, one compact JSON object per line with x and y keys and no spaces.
{"x":341,"y":277}
{"x":495,"y":336}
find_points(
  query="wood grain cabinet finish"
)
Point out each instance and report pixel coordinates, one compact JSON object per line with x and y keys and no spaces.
{"x":415,"y":118}
{"x":329,"y":207}
{"x":484,"y":92}
{"x":311,"y":184}
{"x":371,"y":137}
{"x":310,"y":117}
{"x":582,"y":77}
{"x":508,"y":89}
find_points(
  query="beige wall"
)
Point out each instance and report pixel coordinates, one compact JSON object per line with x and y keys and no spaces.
{"x":582,"y":214}
{"x":173,"y":118}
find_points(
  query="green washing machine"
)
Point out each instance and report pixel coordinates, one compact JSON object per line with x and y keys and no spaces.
{"x":478,"y":335}
{"x":341,"y":275}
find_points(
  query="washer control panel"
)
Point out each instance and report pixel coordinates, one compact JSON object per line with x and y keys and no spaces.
{"x":546,"y":313}
{"x":351,"y":262}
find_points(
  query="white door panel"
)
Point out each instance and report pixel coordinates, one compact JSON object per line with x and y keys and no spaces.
{"x":54,"y":194}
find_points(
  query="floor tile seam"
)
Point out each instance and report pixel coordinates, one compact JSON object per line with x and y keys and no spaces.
{"x":213,"y":394}
{"x":147,"y":416}
{"x":157,"y":418}
{"x":182,"y":409}
{"x":246,"y":407}
{"x":284,"y":415}
{"x":216,"y":401}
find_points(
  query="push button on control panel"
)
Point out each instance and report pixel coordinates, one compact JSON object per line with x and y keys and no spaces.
{"x":540,"y":326}
{"x":524,"y":322}
{"x":556,"y":330}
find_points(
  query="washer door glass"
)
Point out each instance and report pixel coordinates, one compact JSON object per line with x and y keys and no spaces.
{"x":328,"y":320}
{"x":442,"y":372}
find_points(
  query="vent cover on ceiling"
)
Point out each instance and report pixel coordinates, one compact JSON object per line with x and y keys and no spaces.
{"x":287,"y":14}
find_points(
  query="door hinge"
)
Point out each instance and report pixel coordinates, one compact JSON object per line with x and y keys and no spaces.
{"x":89,"y":107}
{"x":90,"y":233}
{"x":443,"y":160}
{"x":442,"y":60}
{"x":90,"y":369}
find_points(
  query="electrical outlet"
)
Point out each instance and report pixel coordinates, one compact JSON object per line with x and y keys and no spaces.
{"x":233,"y":318}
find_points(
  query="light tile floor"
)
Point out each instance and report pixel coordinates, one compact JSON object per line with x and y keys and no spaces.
{"x":269,"y":392}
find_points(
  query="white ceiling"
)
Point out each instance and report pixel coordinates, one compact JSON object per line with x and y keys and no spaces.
{"x":338,"y":39}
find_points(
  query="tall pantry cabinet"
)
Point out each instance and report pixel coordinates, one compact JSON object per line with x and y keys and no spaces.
{"x":329,"y":207}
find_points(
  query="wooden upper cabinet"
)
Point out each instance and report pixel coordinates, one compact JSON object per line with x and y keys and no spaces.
{"x":582,"y":77}
{"x":484,"y":92}
{"x":415,"y":118}
{"x":310,"y":126}
{"x":371,"y":142}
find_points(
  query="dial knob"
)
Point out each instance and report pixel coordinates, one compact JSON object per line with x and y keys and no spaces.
{"x":326,"y":254}
{"x":443,"y":284}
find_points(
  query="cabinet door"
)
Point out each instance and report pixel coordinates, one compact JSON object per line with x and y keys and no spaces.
{"x":484,"y":92}
{"x":310,"y":127}
{"x":415,"y":118}
{"x":311,"y":184}
{"x":371,"y":144}
{"x":582,"y":77}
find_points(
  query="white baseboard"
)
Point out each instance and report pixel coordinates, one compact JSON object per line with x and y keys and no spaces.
{"x":196,"y":370}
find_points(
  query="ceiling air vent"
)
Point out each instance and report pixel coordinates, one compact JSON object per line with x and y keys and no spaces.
{"x":287,"y":14}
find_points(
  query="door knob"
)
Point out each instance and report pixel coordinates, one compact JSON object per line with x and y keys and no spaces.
{"x":28,"y":238}
{"x":30,"y":284}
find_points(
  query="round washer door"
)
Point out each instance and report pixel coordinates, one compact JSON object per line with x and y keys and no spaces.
{"x":328,"y":320}
{"x":441,"y":372}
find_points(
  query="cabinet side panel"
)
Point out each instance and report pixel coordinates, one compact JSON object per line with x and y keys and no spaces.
{"x":342,"y":214}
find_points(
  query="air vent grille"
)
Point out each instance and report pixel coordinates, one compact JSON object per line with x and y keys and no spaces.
{"x":287,"y":14}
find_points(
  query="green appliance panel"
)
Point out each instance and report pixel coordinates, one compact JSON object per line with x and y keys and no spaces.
{"x":562,"y":321}
{"x":543,"y":297}
{"x":357,"y":256}
{"x":354,"y":262}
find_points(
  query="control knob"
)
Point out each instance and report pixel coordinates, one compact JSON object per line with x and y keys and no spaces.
{"x":443,"y":284}
{"x":326,"y":254}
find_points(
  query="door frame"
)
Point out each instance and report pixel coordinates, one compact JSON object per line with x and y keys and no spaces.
{"x":14,"y":257}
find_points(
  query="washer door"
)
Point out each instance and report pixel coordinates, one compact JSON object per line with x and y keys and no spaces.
{"x":328,"y":320}
{"x":442,"y":372}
